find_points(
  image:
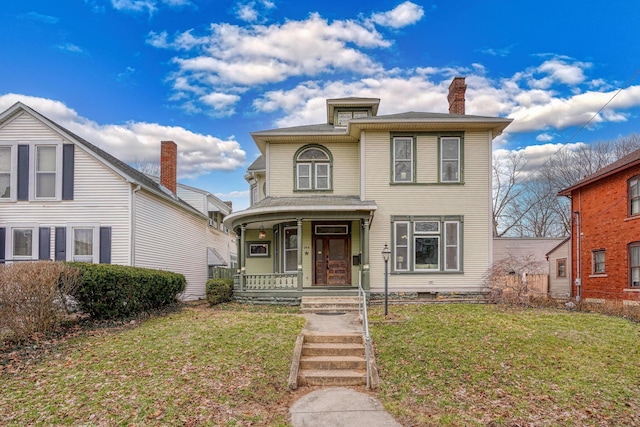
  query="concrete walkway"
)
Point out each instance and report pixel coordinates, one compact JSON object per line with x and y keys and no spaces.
{"x":338,"y":406}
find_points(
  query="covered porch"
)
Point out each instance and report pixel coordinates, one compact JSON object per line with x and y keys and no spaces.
{"x":289,"y":247}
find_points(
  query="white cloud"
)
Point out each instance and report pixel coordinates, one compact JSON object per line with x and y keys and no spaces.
{"x":70,"y":47}
{"x":404,"y":14}
{"x":544,"y":137}
{"x":140,"y":141}
{"x":253,"y":11}
{"x":148,"y":6}
{"x":232,"y":58}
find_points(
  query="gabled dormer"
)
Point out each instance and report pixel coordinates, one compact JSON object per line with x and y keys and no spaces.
{"x":341,"y":110}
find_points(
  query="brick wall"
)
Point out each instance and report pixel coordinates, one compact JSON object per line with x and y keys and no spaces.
{"x":605,"y":224}
{"x":168,"y":164}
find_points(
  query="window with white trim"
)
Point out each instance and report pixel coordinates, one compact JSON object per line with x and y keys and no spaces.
{"x":403,"y":159}
{"x":634,"y":195}
{"x":313,"y":168}
{"x":345,"y":116}
{"x":7,"y":183}
{"x":47,"y":167}
{"x":83,"y":243}
{"x":22,"y":242}
{"x":254,"y":194}
{"x":634,"y":265}
{"x":429,"y":244}
{"x":450,"y":159}
{"x":290,"y":249}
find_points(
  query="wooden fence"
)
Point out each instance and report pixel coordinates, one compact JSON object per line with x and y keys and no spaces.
{"x":525,"y":285}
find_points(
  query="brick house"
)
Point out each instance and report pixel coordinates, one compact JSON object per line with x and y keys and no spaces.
{"x":605,"y":243}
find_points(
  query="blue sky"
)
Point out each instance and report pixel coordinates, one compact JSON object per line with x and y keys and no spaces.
{"x":126,"y":74}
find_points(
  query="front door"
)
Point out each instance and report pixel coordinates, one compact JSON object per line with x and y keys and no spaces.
{"x":332,"y":260}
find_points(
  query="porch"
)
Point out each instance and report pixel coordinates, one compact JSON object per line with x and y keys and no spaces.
{"x":302,"y":246}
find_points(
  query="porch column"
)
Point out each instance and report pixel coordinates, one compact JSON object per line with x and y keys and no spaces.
{"x":242,"y":260}
{"x":299,"y":247}
{"x":365,"y":254}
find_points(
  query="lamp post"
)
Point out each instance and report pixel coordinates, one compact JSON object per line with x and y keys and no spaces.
{"x":385,"y":256}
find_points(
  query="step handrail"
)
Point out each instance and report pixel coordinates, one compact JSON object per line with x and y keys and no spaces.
{"x":362,"y":309}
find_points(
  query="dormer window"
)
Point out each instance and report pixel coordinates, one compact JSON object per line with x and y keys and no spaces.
{"x":313,"y":168}
{"x":345,"y":116}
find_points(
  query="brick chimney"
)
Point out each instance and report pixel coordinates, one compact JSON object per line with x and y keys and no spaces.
{"x":168,"y":164}
{"x":457,"y":89}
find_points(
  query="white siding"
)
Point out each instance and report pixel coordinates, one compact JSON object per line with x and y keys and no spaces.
{"x":470,"y":200}
{"x":101,"y":197}
{"x":560,"y":287}
{"x":169,"y":238}
{"x":196,"y":199}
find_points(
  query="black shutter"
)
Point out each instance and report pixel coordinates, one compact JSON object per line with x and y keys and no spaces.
{"x":67,"y":171}
{"x":105,"y":245}
{"x":3,"y":234}
{"x":61,"y":244}
{"x":44,"y":250}
{"x":23,"y":172}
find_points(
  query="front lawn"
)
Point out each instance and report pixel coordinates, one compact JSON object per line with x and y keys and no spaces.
{"x":465,"y":365}
{"x":200,"y":366}
{"x":450,"y":365}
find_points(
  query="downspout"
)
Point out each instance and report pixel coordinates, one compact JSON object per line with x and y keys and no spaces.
{"x":578,"y":281}
{"x":132,"y":244}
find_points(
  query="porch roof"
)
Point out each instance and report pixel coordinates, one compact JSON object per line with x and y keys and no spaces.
{"x":273,"y":208}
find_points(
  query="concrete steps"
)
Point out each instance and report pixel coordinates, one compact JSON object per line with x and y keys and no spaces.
{"x":332,"y":360}
{"x":328,"y":304}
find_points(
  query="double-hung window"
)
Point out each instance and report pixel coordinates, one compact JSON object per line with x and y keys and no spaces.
{"x":290,"y":249}
{"x":403,"y":159}
{"x":598,"y":261}
{"x":427,"y":244}
{"x":634,"y":265}
{"x":634,"y":195}
{"x":6,"y":176}
{"x":450,"y":159}
{"x":313,"y":168}
{"x":47,"y":166}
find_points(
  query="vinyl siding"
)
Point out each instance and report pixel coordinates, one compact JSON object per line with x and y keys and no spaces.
{"x":169,"y":238}
{"x":107,"y":207}
{"x":560,"y":286}
{"x":345,"y":169}
{"x":194,"y":198}
{"x":470,"y":200}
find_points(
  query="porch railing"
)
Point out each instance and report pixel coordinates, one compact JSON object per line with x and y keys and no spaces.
{"x":274,"y":281}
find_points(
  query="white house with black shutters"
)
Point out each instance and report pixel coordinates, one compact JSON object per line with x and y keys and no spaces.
{"x":63,"y":198}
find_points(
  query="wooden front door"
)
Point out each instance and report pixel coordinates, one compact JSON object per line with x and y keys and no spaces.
{"x":332,"y":260}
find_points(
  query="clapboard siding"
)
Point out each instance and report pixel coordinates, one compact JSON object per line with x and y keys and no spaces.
{"x":470,"y":200}
{"x":101,"y":197}
{"x":172,"y":239}
{"x":345,"y":169}
{"x":196,"y":199}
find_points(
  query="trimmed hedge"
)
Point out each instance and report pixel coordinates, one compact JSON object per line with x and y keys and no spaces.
{"x":112,"y":291}
{"x":219,"y":290}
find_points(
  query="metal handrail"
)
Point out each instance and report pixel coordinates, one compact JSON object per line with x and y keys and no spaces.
{"x":362,"y":309}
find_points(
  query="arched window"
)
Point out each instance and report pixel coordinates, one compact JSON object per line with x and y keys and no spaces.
{"x":634,"y":195}
{"x":313,"y":168}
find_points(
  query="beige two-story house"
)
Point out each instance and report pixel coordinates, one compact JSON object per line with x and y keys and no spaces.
{"x":327,"y":198}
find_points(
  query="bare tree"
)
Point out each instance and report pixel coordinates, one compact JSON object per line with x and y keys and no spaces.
{"x":146,"y":167}
{"x":525,"y":203}
{"x":507,"y":191}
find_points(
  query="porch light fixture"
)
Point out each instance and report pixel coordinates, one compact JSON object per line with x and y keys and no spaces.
{"x":261,"y":233}
{"x":385,"y":256}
